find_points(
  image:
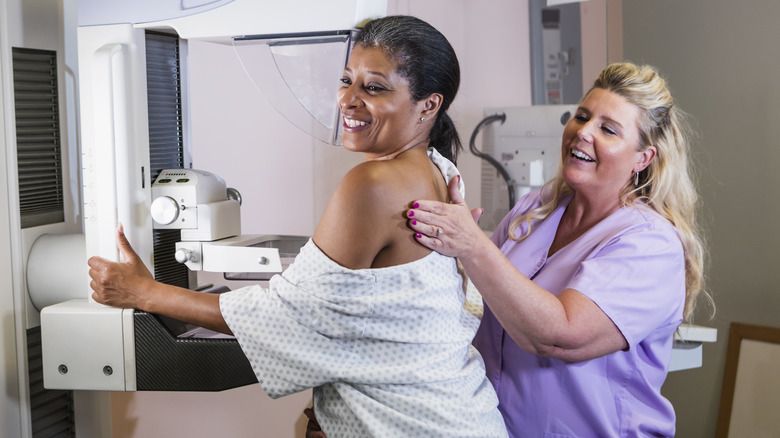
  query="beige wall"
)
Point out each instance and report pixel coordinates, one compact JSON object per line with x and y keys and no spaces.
{"x":602,"y":37}
{"x":722,"y":61}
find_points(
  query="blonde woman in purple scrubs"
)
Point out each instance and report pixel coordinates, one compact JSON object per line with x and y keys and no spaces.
{"x":586,"y":281}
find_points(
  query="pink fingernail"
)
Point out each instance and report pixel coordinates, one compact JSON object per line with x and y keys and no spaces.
{"x":418,"y":235}
{"x":414,"y":221}
{"x":416,"y":205}
{"x":411,"y":213}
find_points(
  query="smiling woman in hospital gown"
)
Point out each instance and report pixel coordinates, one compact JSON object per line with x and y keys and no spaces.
{"x":376,"y":323}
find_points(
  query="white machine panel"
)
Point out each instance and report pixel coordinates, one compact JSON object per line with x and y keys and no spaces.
{"x":687,"y":351}
{"x":195,"y":202}
{"x":103,"y":354}
{"x":234,"y":254}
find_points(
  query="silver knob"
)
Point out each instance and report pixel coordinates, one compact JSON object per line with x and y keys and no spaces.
{"x":165,"y":210}
{"x":234,"y":194}
{"x":184,"y":255}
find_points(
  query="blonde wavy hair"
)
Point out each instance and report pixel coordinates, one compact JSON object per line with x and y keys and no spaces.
{"x":665,"y":185}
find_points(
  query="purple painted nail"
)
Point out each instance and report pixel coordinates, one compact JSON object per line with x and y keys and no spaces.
{"x":411,"y":213}
{"x":414,"y":221}
{"x":416,"y":205}
{"x":418,"y":235}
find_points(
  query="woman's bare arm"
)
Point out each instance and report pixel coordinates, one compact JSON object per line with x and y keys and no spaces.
{"x":129,"y":284}
{"x":361,"y":219}
{"x":351,"y":233}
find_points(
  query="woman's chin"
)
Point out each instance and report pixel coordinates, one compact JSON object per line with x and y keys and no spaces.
{"x":352,"y":141}
{"x":348,"y":144}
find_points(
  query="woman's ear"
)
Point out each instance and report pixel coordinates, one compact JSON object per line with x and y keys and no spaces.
{"x":644,"y":158}
{"x":431,"y":105}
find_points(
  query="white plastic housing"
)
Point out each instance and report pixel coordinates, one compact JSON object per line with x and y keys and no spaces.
{"x":87,"y":346}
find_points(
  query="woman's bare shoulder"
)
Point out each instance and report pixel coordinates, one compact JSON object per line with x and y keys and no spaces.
{"x":357,"y":222}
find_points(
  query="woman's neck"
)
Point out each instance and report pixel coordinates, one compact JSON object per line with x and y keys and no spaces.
{"x":583,"y":213}
{"x":419,"y":145}
{"x":579,"y":216}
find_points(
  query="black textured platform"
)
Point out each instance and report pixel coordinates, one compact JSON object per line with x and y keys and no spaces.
{"x":166,"y":363}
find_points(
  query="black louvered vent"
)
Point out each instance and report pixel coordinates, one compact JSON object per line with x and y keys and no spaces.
{"x":38,"y":145}
{"x":163,"y":78}
{"x":166,"y":143}
{"x":166,"y":269}
{"x":51,"y":411}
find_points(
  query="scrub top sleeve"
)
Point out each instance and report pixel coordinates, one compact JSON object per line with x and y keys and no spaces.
{"x":637,"y":279}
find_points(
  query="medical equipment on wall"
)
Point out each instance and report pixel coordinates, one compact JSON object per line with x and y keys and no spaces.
{"x":521,"y":150}
{"x":87,"y":346}
{"x":556,"y":51}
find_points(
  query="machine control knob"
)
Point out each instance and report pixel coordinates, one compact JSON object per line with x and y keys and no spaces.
{"x":234,"y":194}
{"x":165,"y":210}
{"x":184,"y":255}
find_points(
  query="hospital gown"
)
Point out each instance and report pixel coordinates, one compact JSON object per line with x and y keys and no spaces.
{"x":387,"y":351}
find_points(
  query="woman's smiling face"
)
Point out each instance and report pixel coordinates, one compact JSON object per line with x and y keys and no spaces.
{"x":379,"y":117}
{"x":601,"y":145}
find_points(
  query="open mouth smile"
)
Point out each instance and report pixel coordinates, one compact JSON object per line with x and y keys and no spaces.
{"x":581,"y":156}
{"x":355,"y":123}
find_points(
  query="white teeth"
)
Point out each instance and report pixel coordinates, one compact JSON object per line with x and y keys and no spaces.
{"x":353,"y":123}
{"x":581,"y":156}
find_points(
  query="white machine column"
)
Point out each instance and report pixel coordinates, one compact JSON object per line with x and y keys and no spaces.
{"x":115,"y":139}
{"x":87,"y":345}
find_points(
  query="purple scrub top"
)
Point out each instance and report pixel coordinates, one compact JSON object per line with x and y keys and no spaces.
{"x":631,"y":265}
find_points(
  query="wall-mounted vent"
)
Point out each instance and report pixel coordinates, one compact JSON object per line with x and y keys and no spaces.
{"x":38,"y":147}
{"x":51,"y":410}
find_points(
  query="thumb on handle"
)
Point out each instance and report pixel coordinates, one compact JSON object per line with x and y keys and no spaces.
{"x":126,"y":251}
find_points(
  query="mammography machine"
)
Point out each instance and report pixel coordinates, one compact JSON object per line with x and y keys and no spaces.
{"x":87,"y":346}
